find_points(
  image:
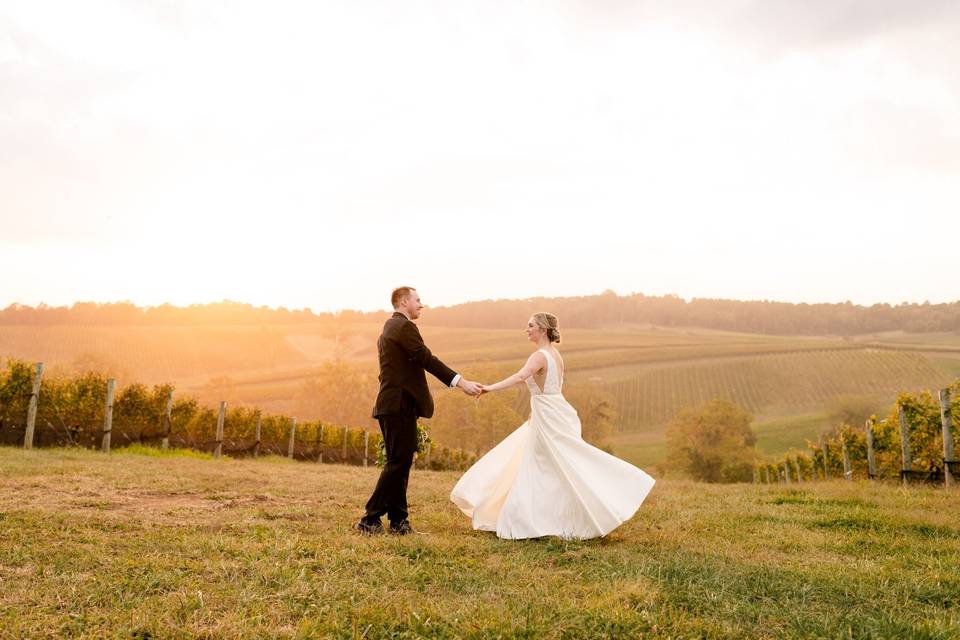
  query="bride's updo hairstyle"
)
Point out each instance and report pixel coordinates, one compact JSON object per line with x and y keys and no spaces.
{"x":548,"y":322}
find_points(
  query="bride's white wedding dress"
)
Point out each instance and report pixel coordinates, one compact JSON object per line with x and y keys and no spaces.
{"x":545,"y":480}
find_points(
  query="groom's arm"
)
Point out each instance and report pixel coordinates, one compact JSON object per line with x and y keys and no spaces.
{"x":411,"y":341}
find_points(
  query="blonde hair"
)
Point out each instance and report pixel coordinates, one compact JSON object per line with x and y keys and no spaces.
{"x":549,"y":323}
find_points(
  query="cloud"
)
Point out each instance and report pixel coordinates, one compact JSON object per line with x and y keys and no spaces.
{"x":815,"y":23}
{"x":778,"y":24}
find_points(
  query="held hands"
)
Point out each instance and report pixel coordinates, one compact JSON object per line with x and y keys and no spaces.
{"x":470,"y":388}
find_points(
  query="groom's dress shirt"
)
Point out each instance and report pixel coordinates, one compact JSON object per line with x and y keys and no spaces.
{"x":403,"y":360}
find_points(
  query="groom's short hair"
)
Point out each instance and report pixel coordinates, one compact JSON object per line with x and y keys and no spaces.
{"x":399,"y":294}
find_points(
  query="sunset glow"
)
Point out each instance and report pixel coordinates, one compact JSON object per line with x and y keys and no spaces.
{"x":318,"y":154}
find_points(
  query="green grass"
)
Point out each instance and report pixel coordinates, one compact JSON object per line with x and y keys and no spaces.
{"x":776,"y":436}
{"x":644,"y":449}
{"x":145,"y":450}
{"x":129,"y":546}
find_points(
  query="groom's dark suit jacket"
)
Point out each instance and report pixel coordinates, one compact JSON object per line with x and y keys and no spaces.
{"x":403,"y":359}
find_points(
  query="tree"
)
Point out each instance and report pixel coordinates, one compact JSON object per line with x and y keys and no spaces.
{"x":713,"y":442}
{"x":852,"y":410}
{"x":339,"y":393}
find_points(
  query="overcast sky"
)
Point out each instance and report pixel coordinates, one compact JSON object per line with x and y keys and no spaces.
{"x":318,"y":154}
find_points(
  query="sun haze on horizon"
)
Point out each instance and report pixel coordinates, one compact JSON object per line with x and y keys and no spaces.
{"x":317,"y":155}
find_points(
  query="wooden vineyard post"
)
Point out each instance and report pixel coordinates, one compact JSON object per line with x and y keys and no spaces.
{"x":219,"y":448}
{"x":786,"y":471}
{"x":32,"y":408}
{"x":796,"y":466}
{"x":847,"y":469}
{"x":320,"y":457}
{"x":907,"y":463}
{"x":344,"y":445}
{"x":871,"y":457}
{"x":167,"y":424}
{"x":366,"y":446}
{"x":756,"y":475}
{"x":256,"y":436}
{"x":108,"y":415}
{"x":766,"y":474}
{"x":293,"y":435}
{"x":824,"y":451}
{"x":426,"y":457}
{"x":946,"y":422}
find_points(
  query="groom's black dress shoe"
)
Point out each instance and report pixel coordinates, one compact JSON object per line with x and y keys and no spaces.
{"x":401,"y":528}
{"x":369,"y":528}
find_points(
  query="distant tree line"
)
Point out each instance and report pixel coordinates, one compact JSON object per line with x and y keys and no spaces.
{"x":759,"y":316}
{"x":603,"y":310}
{"x":127,"y":313}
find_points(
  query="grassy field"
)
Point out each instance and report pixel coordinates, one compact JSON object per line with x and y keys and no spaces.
{"x":138,"y":546}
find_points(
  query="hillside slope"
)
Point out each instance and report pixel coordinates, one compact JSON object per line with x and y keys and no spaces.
{"x":648,"y":372}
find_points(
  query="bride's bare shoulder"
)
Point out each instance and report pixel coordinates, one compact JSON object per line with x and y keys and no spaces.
{"x":536,"y":361}
{"x":538,"y":357}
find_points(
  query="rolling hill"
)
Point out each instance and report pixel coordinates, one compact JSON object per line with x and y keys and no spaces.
{"x":649,"y":372}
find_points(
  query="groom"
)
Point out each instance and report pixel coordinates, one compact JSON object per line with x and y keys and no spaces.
{"x":403,"y":398}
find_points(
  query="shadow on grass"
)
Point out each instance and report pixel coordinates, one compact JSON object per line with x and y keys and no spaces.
{"x":887,"y":526}
{"x":808,"y":499}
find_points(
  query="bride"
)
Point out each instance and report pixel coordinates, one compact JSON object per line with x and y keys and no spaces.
{"x":543,"y":479}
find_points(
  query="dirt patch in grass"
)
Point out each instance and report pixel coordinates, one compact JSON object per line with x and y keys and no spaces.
{"x":154,"y":490}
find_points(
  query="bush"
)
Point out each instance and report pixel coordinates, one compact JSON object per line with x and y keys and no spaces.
{"x":713,"y":442}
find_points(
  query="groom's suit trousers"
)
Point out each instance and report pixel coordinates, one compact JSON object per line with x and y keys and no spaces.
{"x":400,"y":440}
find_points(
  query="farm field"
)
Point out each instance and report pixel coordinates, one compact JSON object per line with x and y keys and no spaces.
{"x":138,"y":546}
{"x":774,"y":383}
{"x":946,"y":341}
{"x":649,"y":372}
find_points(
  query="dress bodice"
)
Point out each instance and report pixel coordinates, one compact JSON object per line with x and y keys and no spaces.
{"x":552,"y":384}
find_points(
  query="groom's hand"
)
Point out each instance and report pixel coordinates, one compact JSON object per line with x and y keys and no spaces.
{"x":468,"y":387}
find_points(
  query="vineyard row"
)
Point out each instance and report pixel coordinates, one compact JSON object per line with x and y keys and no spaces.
{"x":806,"y":379}
{"x":88,"y":410}
{"x":914,"y":442}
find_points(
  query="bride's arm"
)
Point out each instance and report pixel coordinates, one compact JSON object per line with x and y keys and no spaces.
{"x":534,"y":363}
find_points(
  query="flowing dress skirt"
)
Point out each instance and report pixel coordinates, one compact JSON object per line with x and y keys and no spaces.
{"x":545,"y":480}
